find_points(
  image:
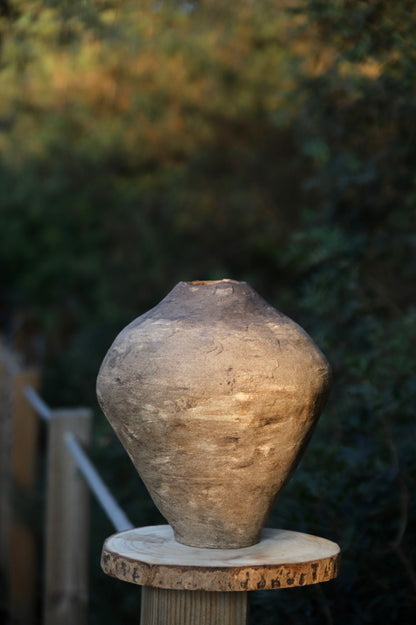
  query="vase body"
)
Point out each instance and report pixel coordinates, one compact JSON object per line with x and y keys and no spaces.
{"x":214,"y":395}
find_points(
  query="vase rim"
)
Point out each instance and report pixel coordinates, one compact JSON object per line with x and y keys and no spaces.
{"x":209,"y":282}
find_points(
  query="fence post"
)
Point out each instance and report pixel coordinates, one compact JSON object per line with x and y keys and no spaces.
{"x":19,"y":439}
{"x":23,"y":564}
{"x":7,"y":363}
{"x":67,"y":522}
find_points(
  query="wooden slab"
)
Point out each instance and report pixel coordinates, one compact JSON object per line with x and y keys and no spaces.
{"x":150,"y":556}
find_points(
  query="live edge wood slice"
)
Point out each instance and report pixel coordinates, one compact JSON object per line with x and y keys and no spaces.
{"x":151,"y":557}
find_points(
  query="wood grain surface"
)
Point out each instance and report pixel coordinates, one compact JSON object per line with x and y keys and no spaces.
{"x":150,"y":556}
{"x":161,"y":606}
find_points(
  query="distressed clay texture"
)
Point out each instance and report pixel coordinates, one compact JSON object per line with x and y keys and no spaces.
{"x":214,"y":395}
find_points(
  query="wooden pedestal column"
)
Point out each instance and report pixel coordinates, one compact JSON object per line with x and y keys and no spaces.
{"x":192,"y":586}
{"x":161,"y":606}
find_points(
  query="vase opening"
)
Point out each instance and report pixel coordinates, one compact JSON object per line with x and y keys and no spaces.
{"x":202,"y":282}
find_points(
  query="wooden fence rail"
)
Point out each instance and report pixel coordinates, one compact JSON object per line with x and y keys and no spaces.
{"x":70,"y":476}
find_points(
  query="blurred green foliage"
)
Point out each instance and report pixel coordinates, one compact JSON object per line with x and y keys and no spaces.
{"x":272,"y":141}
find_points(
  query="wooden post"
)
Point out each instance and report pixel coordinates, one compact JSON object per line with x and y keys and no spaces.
{"x":19,"y":439}
{"x":67,"y":523}
{"x":23,"y":563}
{"x":161,"y":606}
{"x":194,"y":586}
{"x":7,"y":365}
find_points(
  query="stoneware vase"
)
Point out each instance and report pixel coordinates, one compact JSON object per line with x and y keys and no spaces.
{"x":214,"y":395}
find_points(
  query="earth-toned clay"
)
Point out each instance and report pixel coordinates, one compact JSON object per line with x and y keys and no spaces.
{"x":214,"y":395}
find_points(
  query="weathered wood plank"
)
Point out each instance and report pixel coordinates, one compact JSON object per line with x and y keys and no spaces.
{"x":19,"y":441}
{"x":7,"y":365}
{"x":67,"y":523}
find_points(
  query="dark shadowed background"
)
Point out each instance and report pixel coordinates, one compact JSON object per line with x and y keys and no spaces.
{"x":143,"y":143}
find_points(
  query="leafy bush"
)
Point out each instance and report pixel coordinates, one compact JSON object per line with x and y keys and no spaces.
{"x":268,"y":141}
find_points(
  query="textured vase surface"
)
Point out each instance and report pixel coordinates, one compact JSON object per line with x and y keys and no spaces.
{"x":214,"y":395}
